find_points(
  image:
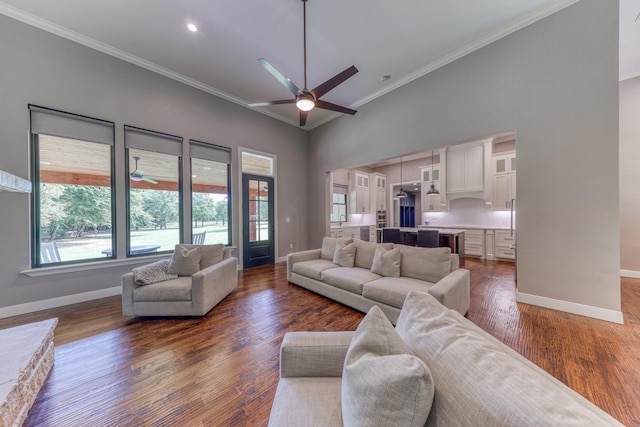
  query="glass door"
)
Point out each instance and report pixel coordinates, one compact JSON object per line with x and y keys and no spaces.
{"x":258,"y":229}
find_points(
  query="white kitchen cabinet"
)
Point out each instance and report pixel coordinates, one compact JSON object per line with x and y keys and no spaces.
{"x":504,"y":182}
{"x":378,"y":192}
{"x":474,"y":242}
{"x":431,"y":202}
{"x":503,"y":245}
{"x":465,"y":168}
{"x":359,"y":202}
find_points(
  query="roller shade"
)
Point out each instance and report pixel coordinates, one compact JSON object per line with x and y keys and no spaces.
{"x":56,"y":123}
{"x":152,"y":141}
{"x":205,"y":151}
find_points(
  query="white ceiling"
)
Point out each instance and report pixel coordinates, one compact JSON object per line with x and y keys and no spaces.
{"x":405,"y":39}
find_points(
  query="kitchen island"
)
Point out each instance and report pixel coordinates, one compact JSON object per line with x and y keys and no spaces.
{"x":452,"y":238}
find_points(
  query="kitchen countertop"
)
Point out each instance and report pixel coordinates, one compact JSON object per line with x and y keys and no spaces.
{"x":476,"y":227}
{"x":440,"y":229}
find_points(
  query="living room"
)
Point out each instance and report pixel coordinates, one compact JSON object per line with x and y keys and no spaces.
{"x":556,"y":84}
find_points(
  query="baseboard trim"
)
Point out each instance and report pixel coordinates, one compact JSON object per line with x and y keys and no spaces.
{"x":572,"y":307}
{"x":281,"y":259}
{"x":630,"y":273}
{"x":30,"y":307}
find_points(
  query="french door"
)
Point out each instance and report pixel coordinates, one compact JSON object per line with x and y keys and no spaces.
{"x":258,"y":220}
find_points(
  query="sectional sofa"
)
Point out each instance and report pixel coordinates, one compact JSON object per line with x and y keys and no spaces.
{"x":362,"y":274}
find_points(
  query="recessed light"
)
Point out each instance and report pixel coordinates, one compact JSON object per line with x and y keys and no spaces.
{"x":192,"y":27}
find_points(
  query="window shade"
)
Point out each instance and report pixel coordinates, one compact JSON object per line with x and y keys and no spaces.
{"x":56,"y":123}
{"x":152,"y":141}
{"x":205,"y":151}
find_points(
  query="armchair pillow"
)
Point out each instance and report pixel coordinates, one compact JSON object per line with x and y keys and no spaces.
{"x":383,"y":383}
{"x":211,"y":254}
{"x":185,"y":261}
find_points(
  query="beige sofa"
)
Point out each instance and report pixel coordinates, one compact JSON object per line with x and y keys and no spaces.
{"x":466,"y":377}
{"x":432,"y":270}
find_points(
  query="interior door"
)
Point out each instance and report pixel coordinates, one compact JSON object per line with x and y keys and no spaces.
{"x":258,"y":220}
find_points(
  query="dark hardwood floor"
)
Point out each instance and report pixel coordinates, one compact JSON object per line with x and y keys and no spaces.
{"x":222,"y":369}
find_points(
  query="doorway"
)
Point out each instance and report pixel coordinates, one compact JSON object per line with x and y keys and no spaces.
{"x":258,"y":220}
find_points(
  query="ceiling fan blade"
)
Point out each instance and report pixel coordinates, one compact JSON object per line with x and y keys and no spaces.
{"x":303,"y":117}
{"x":334,"y":81}
{"x":279,"y":76}
{"x":149,"y":180}
{"x":266,"y":103}
{"x":334,"y":107}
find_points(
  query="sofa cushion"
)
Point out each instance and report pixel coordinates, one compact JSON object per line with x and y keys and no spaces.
{"x":329,"y":246}
{"x":313,"y":268}
{"x":185,"y":261}
{"x":383,"y":383}
{"x":386,"y":262}
{"x":304,"y":401}
{"x":479,"y":381}
{"x":211,"y":254}
{"x":393,"y":290}
{"x":430,"y":264}
{"x":170,"y":290}
{"x":365,"y":252}
{"x":348,"y":278}
{"x":345,"y":254}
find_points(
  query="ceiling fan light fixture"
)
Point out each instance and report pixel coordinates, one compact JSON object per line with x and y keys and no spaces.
{"x":305,"y":103}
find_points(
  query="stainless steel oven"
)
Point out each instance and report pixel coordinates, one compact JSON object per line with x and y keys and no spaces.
{"x":381,"y":219}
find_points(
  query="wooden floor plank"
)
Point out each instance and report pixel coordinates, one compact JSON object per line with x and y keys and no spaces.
{"x":222,"y":369}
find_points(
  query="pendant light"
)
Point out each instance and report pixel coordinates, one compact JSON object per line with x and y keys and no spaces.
{"x":432,"y":190}
{"x":401,"y":194}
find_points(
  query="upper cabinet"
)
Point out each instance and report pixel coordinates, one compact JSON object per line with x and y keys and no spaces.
{"x":431,"y":202}
{"x":465,"y":169}
{"x":359,"y":192}
{"x":504,"y":181}
{"x":378,"y":192}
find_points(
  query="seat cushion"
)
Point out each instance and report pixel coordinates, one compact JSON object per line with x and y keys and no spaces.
{"x":430,"y":264}
{"x":304,"y":401}
{"x":171,"y":290}
{"x":383,"y":383}
{"x":313,"y":268}
{"x":393,"y":290}
{"x":349,"y":279}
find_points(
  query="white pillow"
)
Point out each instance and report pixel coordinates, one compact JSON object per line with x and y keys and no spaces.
{"x":185,"y":261}
{"x":383,"y":383}
{"x":345,"y":254}
{"x":386,"y":262}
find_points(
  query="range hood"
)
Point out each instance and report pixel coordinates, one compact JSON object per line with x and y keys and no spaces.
{"x":9,"y":182}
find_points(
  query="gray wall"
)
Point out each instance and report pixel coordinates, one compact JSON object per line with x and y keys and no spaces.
{"x":630,"y":175}
{"x":556,"y":84}
{"x":46,"y":70}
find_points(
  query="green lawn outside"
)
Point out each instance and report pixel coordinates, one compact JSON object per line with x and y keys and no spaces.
{"x":90,"y":245}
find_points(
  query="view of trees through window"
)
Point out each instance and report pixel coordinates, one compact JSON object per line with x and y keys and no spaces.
{"x":209,"y":201}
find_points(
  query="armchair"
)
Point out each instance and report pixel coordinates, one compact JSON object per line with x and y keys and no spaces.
{"x":193,"y":295}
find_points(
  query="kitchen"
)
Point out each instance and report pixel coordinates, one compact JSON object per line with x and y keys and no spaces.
{"x":475,"y":185}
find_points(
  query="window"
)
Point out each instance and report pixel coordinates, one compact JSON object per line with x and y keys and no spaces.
{"x":210,"y":193}
{"x":339,"y":204}
{"x":154,"y":191}
{"x":72,"y":201}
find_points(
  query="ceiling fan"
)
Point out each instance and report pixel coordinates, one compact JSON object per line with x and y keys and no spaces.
{"x":305,"y":99}
{"x":138,"y":175}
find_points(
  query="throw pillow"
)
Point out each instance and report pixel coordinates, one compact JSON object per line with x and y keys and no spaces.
{"x":185,"y":261}
{"x":345,"y":254}
{"x":383,"y":383}
{"x":211,"y":254}
{"x":329,"y":246}
{"x":386,"y":263}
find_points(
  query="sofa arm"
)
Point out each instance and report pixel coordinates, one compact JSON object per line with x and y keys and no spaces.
{"x":299,"y":257}
{"x":454,"y":291}
{"x":210,"y":285}
{"x":314,"y":354}
{"x":128,"y":286}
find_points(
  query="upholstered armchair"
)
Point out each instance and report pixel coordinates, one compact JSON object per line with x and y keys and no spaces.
{"x":191,"y":283}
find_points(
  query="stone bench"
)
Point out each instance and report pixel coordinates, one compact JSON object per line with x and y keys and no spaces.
{"x":26,"y":354}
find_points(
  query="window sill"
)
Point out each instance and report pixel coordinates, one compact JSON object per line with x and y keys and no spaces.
{"x":96,"y":265}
